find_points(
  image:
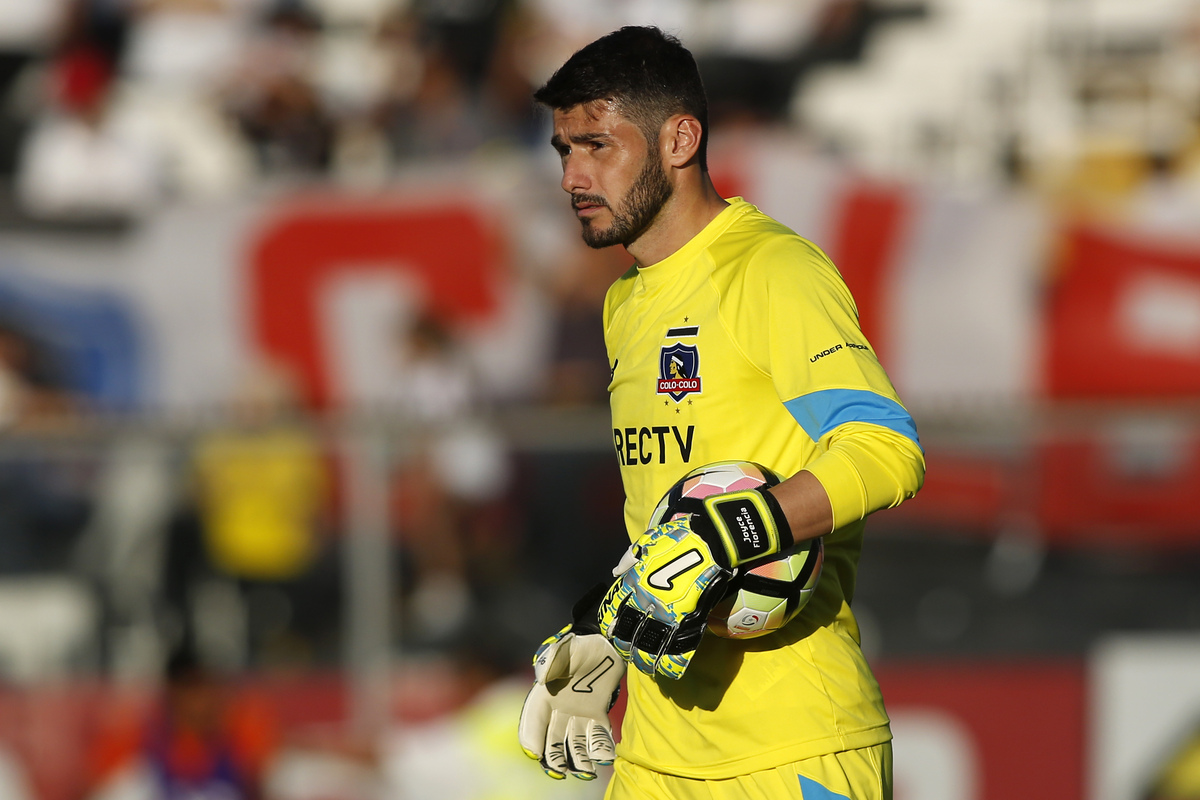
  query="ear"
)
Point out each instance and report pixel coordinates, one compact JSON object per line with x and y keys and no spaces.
{"x":679,"y":140}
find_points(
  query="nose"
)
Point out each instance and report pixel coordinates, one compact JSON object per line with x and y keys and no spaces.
{"x":574,"y":177}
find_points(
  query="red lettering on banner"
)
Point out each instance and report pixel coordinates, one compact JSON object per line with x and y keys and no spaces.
{"x":449,"y":248}
{"x":1124,"y":319}
{"x":868,"y":230}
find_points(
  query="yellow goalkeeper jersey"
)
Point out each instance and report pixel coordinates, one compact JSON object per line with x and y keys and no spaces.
{"x":745,"y":344}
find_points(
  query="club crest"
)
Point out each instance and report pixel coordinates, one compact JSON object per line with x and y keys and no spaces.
{"x":678,"y":370}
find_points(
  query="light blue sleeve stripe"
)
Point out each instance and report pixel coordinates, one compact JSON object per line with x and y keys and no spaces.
{"x":819,"y":413}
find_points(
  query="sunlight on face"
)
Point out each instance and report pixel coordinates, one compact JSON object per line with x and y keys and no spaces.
{"x":617,"y":183}
{"x":634,"y":212}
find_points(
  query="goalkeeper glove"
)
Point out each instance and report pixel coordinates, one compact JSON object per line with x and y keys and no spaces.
{"x":656,"y":612}
{"x":564,"y":723}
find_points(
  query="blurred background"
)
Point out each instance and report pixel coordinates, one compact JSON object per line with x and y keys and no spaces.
{"x":302,"y":385}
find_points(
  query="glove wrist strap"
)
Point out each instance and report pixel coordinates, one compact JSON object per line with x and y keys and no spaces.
{"x":743,"y":526}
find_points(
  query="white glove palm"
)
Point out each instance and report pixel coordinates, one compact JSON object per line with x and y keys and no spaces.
{"x":564,"y":722}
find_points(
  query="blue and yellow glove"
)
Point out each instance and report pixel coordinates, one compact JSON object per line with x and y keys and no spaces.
{"x":655,"y":613}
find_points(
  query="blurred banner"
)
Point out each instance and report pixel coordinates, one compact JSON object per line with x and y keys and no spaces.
{"x":322,"y":281}
{"x":986,"y":730}
{"x":1123,"y":320}
{"x":970,"y":299}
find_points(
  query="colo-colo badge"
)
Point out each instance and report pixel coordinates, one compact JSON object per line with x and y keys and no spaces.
{"x":678,"y":368}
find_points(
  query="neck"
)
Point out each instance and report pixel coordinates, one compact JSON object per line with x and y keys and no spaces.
{"x":687,"y":213}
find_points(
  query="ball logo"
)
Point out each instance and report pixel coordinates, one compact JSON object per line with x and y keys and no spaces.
{"x":747,"y":620}
{"x":678,"y":368}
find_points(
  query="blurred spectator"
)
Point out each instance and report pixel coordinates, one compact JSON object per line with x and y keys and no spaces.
{"x":289,"y":129}
{"x":203,"y":740}
{"x":30,"y":383}
{"x":468,"y":87}
{"x":466,"y":33}
{"x":180,"y":53}
{"x":509,"y":82}
{"x":467,"y":753}
{"x":769,"y":47}
{"x":261,"y":496}
{"x":26,"y":31}
{"x":184,"y":45}
{"x":274,"y":98}
{"x":579,"y":368}
{"x":448,"y":493}
{"x":436,"y":384}
{"x":441,"y":117}
{"x":44,"y":500}
{"x":79,"y":160}
{"x":1168,"y":201}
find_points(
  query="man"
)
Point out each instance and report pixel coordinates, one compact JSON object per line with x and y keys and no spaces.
{"x":780,"y":375}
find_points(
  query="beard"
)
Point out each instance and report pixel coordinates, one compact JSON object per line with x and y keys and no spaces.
{"x":637,"y":210}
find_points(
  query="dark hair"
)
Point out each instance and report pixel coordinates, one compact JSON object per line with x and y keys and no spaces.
{"x":649,"y":74}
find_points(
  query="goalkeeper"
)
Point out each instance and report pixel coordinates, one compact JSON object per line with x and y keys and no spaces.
{"x":730,"y":338}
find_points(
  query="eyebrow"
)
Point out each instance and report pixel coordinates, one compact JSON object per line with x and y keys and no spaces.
{"x":557,"y":141}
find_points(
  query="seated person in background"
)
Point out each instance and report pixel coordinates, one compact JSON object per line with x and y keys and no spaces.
{"x":202,"y":741}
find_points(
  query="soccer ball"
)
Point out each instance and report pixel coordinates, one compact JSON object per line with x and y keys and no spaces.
{"x":767,"y":596}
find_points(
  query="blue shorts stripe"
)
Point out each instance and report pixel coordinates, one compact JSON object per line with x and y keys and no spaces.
{"x":820,"y":412}
{"x":811,"y":790}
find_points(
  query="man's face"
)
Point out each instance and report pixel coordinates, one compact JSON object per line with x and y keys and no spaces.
{"x":614,"y":176}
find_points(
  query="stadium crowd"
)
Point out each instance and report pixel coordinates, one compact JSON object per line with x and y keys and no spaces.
{"x":201,"y":98}
{"x":164,"y":99}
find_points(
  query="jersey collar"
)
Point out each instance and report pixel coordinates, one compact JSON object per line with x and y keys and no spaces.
{"x":670,"y":266}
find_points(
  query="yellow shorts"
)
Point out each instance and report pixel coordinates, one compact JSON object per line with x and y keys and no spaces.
{"x":864,"y":774}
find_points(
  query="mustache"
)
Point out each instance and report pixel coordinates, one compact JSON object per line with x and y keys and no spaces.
{"x":590,"y":199}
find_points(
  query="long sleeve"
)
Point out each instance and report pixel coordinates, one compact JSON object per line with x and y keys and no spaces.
{"x":867,"y":467}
